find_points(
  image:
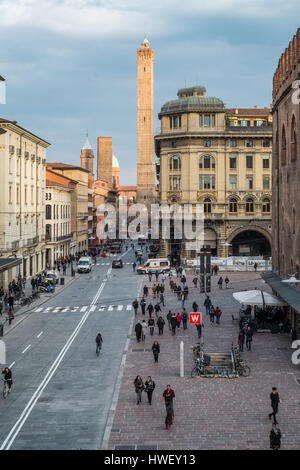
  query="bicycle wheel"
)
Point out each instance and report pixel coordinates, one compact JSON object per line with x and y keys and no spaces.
{"x":245,"y":371}
{"x":5,"y":390}
{"x":195,"y":372}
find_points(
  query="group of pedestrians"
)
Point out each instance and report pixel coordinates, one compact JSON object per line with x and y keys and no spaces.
{"x":212,"y":311}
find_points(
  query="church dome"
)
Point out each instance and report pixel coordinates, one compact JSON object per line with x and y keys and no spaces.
{"x":115,"y":163}
{"x":192,"y":99}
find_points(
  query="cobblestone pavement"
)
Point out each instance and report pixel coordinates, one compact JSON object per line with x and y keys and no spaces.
{"x":210,"y":413}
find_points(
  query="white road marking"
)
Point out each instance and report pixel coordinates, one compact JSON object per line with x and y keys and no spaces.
{"x":57,"y":309}
{"x":120,"y":307}
{"x":26,"y":349}
{"x":38,"y":310}
{"x":83,"y":309}
{"x":40,"y":334}
{"x":27,"y":410}
{"x":110,"y":308}
{"x":48,"y":309}
{"x":93,"y":308}
{"x":102,"y":308}
{"x":129,"y":307}
{"x":12,"y":364}
{"x":65,"y":309}
{"x":74,"y":309}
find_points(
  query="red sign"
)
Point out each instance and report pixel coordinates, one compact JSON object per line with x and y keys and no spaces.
{"x":195,"y":318}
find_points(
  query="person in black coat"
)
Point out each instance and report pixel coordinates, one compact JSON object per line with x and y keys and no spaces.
{"x":160,"y":323}
{"x":173,"y":324}
{"x":150,"y":309}
{"x":151,"y":324}
{"x":149,"y":388}
{"x":138,"y":331}
{"x":156,"y":350}
{"x":139,"y":387}
{"x":195,"y":306}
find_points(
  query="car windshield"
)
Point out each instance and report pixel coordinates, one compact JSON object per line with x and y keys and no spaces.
{"x":83,"y":263}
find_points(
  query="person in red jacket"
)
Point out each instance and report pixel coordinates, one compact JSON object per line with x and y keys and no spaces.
{"x":178,"y":318}
{"x":218,"y":314}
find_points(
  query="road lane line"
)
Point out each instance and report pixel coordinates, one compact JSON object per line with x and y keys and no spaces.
{"x":38,"y":310}
{"x":93,"y":308}
{"x":26,"y":349}
{"x":40,"y":334}
{"x":12,"y":364}
{"x":6,"y":445}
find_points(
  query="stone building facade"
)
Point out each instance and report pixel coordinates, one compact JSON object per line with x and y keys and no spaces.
{"x":286,"y":161}
{"x":145,"y":125}
{"x":22,"y":199}
{"x":225,"y":168}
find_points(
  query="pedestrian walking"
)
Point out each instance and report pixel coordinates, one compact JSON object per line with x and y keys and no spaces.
{"x":195,"y":306}
{"x":207,"y":304}
{"x":275,"y":400}
{"x":156,"y":276}
{"x":169,"y":418}
{"x":195,"y":281}
{"x":275,"y":438}
{"x":249,"y":337}
{"x":138,"y":331}
{"x":143,"y":305}
{"x":182,"y":299}
{"x":139,"y":387}
{"x":145,"y":291}
{"x":220,"y":283}
{"x":178,"y":319}
{"x":212,"y":314}
{"x":149,"y":277}
{"x":154,"y":291}
{"x":169,"y":316}
{"x":169,"y":396}
{"x":135,"y":305}
{"x":199,"y":329}
{"x":216,"y":270}
{"x":149,"y":388}
{"x":218,"y":313}
{"x":144,"y":329}
{"x":134,"y":266}
{"x":160,"y":324}
{"x":226,"y":281}
{"x":151,"y":325}
{"x":155,"y":350}
{"x":173,"y":323}
{"x":241,"y":340}
{"x":150,"y":309}
{"x":162,"y":299}
{"x":184,"y":317}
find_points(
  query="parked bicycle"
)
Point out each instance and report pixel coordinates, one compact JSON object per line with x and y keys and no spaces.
{"x":242,"y":369}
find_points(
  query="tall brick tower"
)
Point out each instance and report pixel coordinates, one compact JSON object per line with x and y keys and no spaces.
{"x":145,"y":130}
{"x":87,"y":156}
{"x":104,"y":159}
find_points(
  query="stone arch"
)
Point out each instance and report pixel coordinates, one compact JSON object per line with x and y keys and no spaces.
{"x":252,"y":228}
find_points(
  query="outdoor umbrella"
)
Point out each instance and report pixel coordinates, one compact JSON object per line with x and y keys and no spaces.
{"x":258,"y":297}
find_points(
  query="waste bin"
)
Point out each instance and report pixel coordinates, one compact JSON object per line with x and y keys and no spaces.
{"x":1,"y":330}
{"x":62,"y":281}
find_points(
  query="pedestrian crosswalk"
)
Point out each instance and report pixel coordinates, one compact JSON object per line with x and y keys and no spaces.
{"x":84,"y":308}
{"x":108,"y":264}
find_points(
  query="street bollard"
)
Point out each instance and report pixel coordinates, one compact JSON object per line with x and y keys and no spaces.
{"x":181,"y":359}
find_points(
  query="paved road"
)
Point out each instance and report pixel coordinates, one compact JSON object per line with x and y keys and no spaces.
{"x":62,"y":392}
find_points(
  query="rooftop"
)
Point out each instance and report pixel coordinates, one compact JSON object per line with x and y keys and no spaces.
{"x":192,"y":99}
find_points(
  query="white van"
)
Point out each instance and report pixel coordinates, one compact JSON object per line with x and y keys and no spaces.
{"x":84,"y":265}
{"x":157,"y":265}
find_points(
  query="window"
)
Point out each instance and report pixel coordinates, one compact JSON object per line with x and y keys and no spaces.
{"x":283,"y":147}
{"x":175,"y":183}
{"x":32,"y":199}
{"x":249,"y":143}
{"x":266,"y":143}
{"x":200,"y":120}
{"x":207,"y":161}
{"x":206,"y":120}
{"x":174,"y":144}
{"x":175,"y":163}
{"x":266,"y":182}
{"x":206,"y":182}
{"x":249,"y":182}
{"x":213,"y":120}
{"x":25,"y":194}
{"x":171,"y":122}
{"x":176,"y":122}
{"x":249,"y":161}
{"x":244,"y":123}
{"x":266,"y":205}
{"x":207,"y":143}
{"x":232,"y":162}
{"x":233,"y":143}
{"x":18,"y":195}
{"x":233,"y":205}
{"x":48,"y":232}
{"x":266,"y":161}
{"x":10,"y":194}
{"x":249,"y":206}
{"x":294,"y":221}
{"x":48,"y":211}
{"x":232,"y":181}
{"x":293,"y":140}
{"x":207,"y":205}
{"x":258,"y":123}
{"x":10,"y":165}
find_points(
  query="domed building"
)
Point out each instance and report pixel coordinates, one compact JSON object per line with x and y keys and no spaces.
{"x":115,"y":172}
{"x":206,"y":157}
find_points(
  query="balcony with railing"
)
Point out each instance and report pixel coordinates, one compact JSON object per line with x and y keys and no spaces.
{"x":32,"y":241}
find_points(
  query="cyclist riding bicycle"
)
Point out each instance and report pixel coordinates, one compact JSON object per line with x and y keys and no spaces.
{"x":7,"y":377}
{"x":99,"y":341}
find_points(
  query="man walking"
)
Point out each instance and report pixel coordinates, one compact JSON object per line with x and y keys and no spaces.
{"x":249,"y":336}
{"x":207,"y":304}
{"x":150,"y":309}
{"x":275,"y":400}
{"x":149,"y":388}
{"x":143,"y":305}
{"x":169,"y":395}
{"x":138,"y":331}
{"x":135,"y":305}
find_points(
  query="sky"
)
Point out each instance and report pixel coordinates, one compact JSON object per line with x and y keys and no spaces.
{"x":70,"y":65}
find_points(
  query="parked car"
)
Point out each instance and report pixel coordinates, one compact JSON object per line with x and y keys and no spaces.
{"x":52,"y":277}
{"x":117,"y":263}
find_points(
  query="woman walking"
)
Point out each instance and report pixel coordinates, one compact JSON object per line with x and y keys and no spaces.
{"x":144,"y":329}
{"x":156,"y":350}
{"x":151,"y":324}
{"x":149,"y":387}
{"x":160,"y":323}
{"x":139,"y":387}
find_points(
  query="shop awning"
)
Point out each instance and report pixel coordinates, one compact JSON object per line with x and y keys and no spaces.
{"x":258,"y":297}
{"x":8,"y":263}
{"x":288,"y":293}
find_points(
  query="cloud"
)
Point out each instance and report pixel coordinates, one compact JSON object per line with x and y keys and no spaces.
{"x":121,"y":18}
